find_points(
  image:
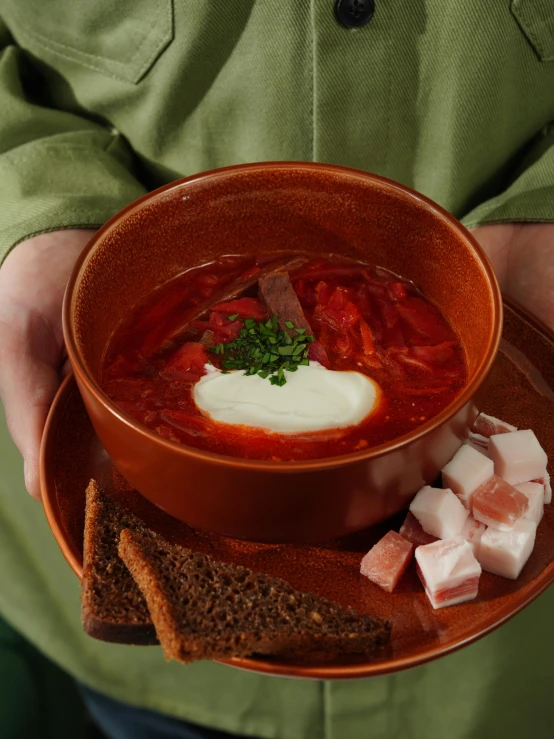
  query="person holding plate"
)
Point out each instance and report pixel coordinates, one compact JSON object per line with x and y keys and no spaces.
{"x":100,"y":103}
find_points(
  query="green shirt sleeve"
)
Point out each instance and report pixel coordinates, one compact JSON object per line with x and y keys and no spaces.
{"x":529,"y":192}
{"x":57,"y":169}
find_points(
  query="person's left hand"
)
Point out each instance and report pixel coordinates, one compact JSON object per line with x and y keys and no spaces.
{"x":522,"y":255}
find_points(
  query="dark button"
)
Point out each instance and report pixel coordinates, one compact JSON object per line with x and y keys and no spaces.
{"x":354,"y":13}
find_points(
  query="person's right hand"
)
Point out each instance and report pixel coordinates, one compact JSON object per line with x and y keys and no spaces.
{"x":32,"y":354}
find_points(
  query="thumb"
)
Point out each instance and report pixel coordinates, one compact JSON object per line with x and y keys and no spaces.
{"x":29,"y":380}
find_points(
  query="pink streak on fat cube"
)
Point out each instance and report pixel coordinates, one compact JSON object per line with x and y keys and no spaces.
{"x":498,"y":504}
{"x":386,"y":562}
{"x":489,"y":425}
{"x":472,"y":533}
{"x":413,"y":531}
{"x":466,"y":471}
{"x":545,"y":482}
{"x":517,"y":456}
{"x":478,"y":442}
{"x":439,"y":511}
{"x":534,"y":492}
{"x":449,"y":571}
{"x":505,"y":553}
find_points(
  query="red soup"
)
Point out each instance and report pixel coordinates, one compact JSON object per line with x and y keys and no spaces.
{"x":269,"y":316}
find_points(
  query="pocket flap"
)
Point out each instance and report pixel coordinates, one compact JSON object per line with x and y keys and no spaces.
{"x":536,"y":20}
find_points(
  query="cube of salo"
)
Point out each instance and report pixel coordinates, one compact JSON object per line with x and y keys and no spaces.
{"x":413,"y":531}
{"x":534,"y":492}
{"x":505,"y":553}
{"x":489,"y":425}
{"x":386,"y":562}
{"x":466,"y":471}
{"x":517,"y":456}
{"x":498,"y":504}
{"x":472,"y":532}
{"x":439,"y":511}
{"x":449,"y":571}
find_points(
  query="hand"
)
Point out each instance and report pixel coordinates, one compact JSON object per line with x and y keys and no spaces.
{"x":522,"y":255}
{"x":32,"y":355}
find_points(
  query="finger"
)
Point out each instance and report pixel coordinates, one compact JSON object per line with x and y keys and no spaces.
{"x":66,"y":368}
{"x":27,"y":395}
{"x":29,"y":380}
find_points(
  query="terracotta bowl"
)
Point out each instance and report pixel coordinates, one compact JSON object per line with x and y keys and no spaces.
{"x":274,"y":207}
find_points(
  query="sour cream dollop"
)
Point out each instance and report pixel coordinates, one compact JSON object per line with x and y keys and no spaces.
{"x":313,"y":399}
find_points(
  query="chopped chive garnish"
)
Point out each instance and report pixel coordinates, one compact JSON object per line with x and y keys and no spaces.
{"x":264,"y":349}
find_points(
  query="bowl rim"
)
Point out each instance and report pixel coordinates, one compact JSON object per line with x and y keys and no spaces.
{"x":84,"y":375}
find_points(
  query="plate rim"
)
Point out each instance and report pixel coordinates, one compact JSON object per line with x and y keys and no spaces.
{"x":282,"y":669}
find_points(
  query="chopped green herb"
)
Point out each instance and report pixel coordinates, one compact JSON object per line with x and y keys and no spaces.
{"x":234,"y":317}
{"x":266,"y":350}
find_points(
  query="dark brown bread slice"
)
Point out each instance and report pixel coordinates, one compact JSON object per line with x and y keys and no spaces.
{"x":112,"y":607}
{"x":203,"y":609}
{"x":278,"y":296}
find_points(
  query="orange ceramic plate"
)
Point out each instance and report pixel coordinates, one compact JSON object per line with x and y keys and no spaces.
{"x":521,"y":392}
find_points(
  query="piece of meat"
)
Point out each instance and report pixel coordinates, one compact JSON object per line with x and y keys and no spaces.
{"x":472,"y":533}
{"x":439,"y":511}
{"x":448,"y":571}
{"x":498,"y":504}
{"x":505,"y":553}
{"x":466,"y":471}
{"x":489,"y":425}
{"x":386,"y":562}
{"x":534,"y":492}
{"x":518,"y":456}
{"x":278,"y":296}
{"x":413,"y":531}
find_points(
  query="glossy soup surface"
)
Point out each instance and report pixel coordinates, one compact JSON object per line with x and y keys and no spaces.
{"x":363,"y":318}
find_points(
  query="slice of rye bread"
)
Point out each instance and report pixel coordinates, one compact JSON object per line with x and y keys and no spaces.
{"x":112,"y":607}
{"x":203,"y":609}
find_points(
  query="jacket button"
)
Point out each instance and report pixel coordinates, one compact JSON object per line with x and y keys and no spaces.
{"x":354,"y":13}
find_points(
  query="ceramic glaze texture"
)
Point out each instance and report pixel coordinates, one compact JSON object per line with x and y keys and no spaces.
{"x":272,"y":208}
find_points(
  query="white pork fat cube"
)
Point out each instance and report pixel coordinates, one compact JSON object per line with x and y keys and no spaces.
{"x":439,"y":512}
{"x":534,"y":492}
{"x":472,"y":532}
{"x":489,"y":425}
{"x":466,"y":471}
{"x":505,"y":553}
{"x":449,"y":571}
{"x":517,"y":456}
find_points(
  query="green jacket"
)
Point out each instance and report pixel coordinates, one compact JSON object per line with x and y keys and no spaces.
{"x":101,"y":101}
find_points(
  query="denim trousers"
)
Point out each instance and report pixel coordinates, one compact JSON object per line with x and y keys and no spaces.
{"x":123,"y":721}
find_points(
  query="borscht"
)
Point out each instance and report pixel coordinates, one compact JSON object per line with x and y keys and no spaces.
{"x":284,"y":357}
